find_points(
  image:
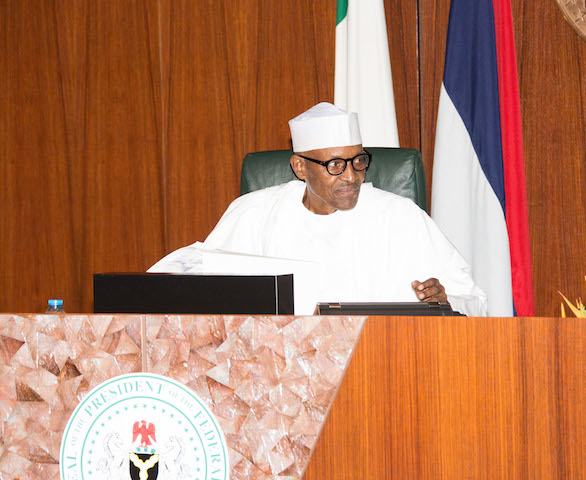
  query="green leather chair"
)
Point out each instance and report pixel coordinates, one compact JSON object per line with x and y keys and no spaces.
{"x":396,"y":170}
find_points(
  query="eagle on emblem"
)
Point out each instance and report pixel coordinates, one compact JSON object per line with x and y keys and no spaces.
{"x":146,"y":432}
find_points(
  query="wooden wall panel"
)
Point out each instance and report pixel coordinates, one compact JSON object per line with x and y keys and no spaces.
{"x":552,"y":71}
{"x":122,"y":172}
{"x":81,"y":164}
{"x":433,"y":24}
{"x":37,"y":245}
{"x":197,"y":173}
{"x":446,"y":398}
{"x":402,"y":32}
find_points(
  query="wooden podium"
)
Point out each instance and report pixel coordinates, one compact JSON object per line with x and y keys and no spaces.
{"x":422,"y":397}
{"x":459,"y":398}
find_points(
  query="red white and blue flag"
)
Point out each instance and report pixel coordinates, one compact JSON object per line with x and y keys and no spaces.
{"x":478,"y":191}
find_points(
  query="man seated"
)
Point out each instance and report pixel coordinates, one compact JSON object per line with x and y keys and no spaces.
{"x":370,"y":245}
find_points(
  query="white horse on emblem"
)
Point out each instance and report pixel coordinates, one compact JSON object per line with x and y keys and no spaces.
{"x":171,"y":460}
{"x":114,"y":465}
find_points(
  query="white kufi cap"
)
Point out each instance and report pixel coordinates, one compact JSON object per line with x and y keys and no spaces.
{"x":324,"y":126}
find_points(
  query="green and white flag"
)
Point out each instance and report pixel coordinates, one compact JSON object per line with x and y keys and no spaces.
{"x":363,"y":81}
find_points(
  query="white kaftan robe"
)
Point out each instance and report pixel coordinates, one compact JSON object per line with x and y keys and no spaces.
{"x":371,"y":253}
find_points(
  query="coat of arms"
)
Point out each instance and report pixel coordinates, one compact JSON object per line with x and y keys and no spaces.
{"x":143,"y":460}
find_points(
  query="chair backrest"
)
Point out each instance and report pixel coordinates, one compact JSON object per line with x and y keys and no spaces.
{"x":396,"y":170}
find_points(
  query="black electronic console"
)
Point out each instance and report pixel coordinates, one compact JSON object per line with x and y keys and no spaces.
{"x":410,"y":309}
{"x":187,"y":293}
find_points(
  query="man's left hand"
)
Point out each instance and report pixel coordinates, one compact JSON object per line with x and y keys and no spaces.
{"x":430,"y":291}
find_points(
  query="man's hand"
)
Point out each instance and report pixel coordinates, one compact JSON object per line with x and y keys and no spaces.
{"x":430,"y":291}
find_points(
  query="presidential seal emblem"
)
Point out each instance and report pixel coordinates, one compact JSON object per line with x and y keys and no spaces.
{"x":143,"y":427}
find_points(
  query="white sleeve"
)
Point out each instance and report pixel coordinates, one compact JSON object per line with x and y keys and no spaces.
{"x":454,"y":273}
{"x":470,"y":305}
{"x":182,"y":260}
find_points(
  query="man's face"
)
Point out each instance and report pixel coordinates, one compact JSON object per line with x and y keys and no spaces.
{"x":325,"y":193}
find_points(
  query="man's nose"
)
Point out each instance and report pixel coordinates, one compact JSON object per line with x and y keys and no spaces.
{"x":349,"y":174}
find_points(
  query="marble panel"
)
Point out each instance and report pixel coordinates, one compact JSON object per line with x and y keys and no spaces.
{"x":47,"y":364}
{"x":270,"y":380}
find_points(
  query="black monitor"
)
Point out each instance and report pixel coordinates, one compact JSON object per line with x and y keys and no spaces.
{"x":186,"y":293}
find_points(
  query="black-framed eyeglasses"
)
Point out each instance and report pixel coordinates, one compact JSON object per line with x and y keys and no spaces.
{"x":337,"y":166}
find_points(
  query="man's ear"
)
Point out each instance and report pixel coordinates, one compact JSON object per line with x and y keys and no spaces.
{"x":298,"y":166}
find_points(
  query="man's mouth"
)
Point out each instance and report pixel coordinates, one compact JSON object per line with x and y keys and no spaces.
{"x":350,"y":190}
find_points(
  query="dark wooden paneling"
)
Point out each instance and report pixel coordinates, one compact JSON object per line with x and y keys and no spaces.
{"x":552,"y":71}
{"x":81,"y":152}
{"x":401,"y":19}
{"x":38,"y":248}
{"x":121,"y":181}
{"x":446,"y":398}
{"x":433,"y":25}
